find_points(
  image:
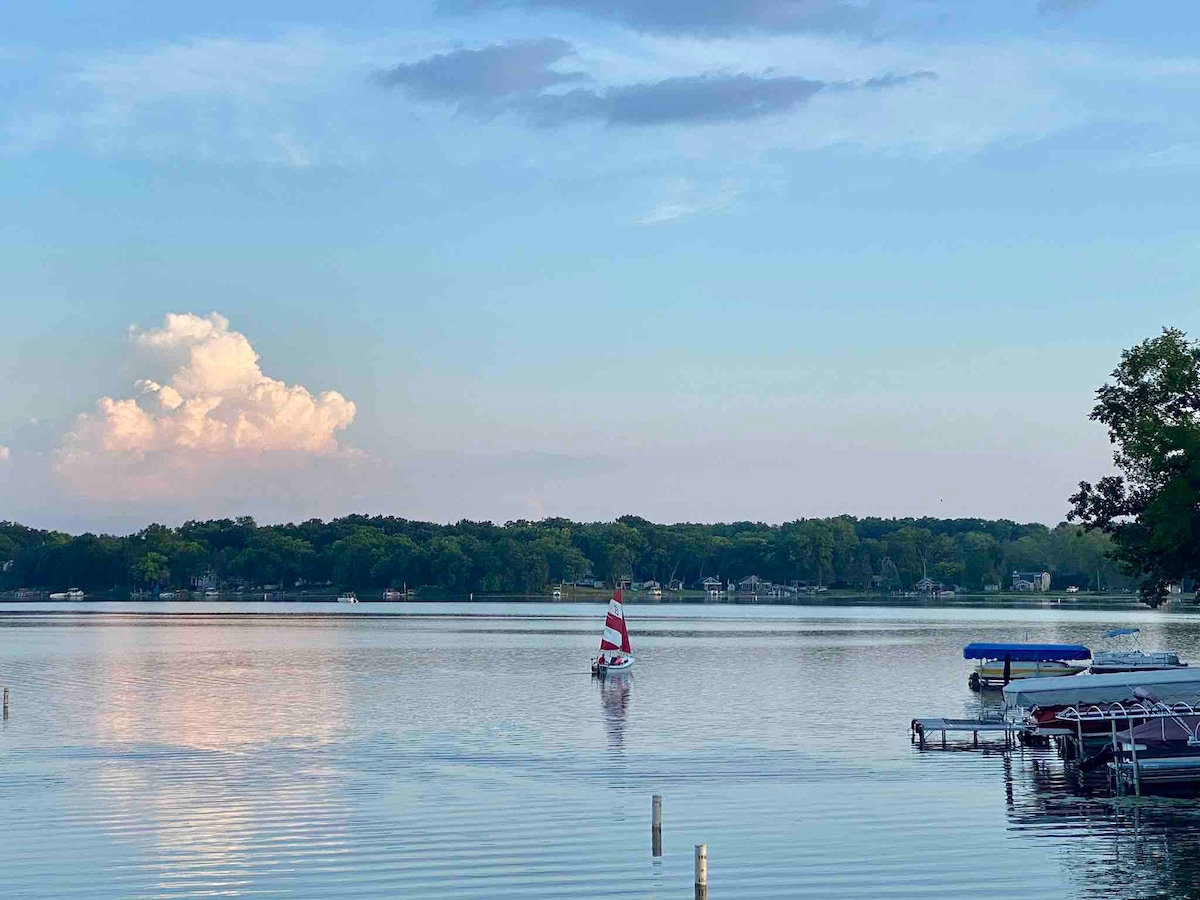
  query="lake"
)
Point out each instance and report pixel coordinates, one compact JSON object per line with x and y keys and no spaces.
{"x":463,"y":751}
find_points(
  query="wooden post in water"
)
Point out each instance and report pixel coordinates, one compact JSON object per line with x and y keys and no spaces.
{"x":6,"y":704}
{"x":702,"y":872}
{"x":656,"y":826}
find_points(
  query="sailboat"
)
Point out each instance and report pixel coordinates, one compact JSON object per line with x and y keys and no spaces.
{"x":615,"y":653}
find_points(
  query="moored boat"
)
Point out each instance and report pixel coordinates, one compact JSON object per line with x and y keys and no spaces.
{"x":616,"y":654}
{"x":1167,"y":685}
{"x":1131,"y":658}
{"x":348,"y":597}
{"x":1001,"y":663}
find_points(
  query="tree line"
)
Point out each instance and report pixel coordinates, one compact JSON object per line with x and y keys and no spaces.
{"x":364,"y":553}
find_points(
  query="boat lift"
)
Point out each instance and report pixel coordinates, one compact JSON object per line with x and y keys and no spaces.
{"x":1125,"y":768}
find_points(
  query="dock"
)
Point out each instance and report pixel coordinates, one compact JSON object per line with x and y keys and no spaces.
{"x":921,"y":728}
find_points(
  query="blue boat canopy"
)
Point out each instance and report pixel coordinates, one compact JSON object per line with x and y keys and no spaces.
{"x":1026,"y":652}
{"x":1121,"y":632}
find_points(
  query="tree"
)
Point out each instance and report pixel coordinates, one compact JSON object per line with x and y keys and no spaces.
{"x":814,"y":549}
{"x":1152,"y":508}
{"x":151,"y":568}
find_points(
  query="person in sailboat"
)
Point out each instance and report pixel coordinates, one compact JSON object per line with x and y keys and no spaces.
{"x":615,"y":650}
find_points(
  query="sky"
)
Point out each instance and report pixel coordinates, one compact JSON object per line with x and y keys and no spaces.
{"x":506,"y":259}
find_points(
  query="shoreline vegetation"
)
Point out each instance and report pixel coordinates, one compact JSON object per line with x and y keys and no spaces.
{"x":806,"y":560}
{"x":1128,"y":600}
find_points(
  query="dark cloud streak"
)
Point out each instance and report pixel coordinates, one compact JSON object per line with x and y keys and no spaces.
{"x":484,"y":75}
{"x":706,"y":16}
{"x":517,"y":79}
{"x":891,"y":80}
{"x":688,"y":100}
{"x":1064,"y":7}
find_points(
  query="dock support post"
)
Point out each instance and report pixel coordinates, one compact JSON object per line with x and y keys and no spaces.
{"x":6,"y":704}
{"x":1116,"y":758}
{"x":702,"y":872}
{"x":975,"y":738}
{"x":656,"y":826}
{"x":1137,"y":775}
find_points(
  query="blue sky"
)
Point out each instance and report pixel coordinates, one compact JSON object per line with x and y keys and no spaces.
{"x":693,"y":261}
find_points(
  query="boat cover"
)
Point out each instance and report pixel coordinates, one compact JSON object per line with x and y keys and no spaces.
{"x":1167,"y":685}
{"x":1164,"y":735}
{"x":1121,"y":632}
{"x":1026,"y":652}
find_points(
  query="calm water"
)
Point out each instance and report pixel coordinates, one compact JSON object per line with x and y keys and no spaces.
{"x":457,"y":751}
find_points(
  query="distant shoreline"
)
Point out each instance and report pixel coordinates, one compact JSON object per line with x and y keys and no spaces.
{"x":698,"y":598}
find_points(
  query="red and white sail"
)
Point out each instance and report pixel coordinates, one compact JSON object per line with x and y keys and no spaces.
{"x":616,"y":635}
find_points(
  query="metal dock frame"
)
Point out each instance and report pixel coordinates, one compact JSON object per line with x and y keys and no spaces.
{"x":921,"y":728}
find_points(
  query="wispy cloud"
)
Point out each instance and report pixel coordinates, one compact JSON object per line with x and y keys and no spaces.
{"x":305,"y":98}
{"x":707,"y":17}
{"x":1060,"y":7}
{"x":683,"y":198}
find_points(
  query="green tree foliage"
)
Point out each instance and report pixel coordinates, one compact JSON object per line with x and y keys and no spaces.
{"x":1151,"y":509}
{"x":373,"y":553}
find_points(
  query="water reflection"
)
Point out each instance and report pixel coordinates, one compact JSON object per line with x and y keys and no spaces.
{"x":614,"y":699}
{"x":1113,"y":847}
{"x":440,"y":753}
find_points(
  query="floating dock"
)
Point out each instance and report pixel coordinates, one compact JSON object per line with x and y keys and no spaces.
{"x":921,"y":728}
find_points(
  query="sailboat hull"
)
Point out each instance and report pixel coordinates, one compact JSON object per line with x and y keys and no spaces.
{"x":622,"y":665}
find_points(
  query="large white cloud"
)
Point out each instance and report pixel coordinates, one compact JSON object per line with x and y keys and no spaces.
{"x":214,"y":426}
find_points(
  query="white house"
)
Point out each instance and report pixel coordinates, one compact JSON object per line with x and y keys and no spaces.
{"x":1031,"y":581}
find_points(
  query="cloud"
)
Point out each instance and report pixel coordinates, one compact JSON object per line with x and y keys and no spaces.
{"x":517,"y":77}
{"x":218,"y":421}
{"x":707,"y":16}
{"x":686,"y":100}
{"x":306,"y":98}
{"x":1060,"y":7}
{"x":287,"y":100}
{"x":882,"y":82}
{"x":683,"y":198}
{"x":486,"y":74}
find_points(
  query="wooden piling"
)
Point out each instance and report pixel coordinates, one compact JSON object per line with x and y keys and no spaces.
{"x":6,"y":704}
{"x":702,"y":872}
{"x":656,"y":826}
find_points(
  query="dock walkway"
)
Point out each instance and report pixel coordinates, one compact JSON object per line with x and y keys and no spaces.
{"x":922,"y":727}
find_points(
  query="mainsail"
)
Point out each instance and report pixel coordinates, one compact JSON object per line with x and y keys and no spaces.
{"x":616,"y":635}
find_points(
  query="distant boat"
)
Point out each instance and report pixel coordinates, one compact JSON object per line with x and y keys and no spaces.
{"x":616,"y":655}
{"x":392,"y":594}
{"x":212,"y":595}
{"x":72,"y":594}
{"x":349,"y":597}
{"x":167,"y":595}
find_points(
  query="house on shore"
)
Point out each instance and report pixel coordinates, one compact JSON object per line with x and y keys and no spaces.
{"x":1030,"y":581}
{"x":752,"y":584}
